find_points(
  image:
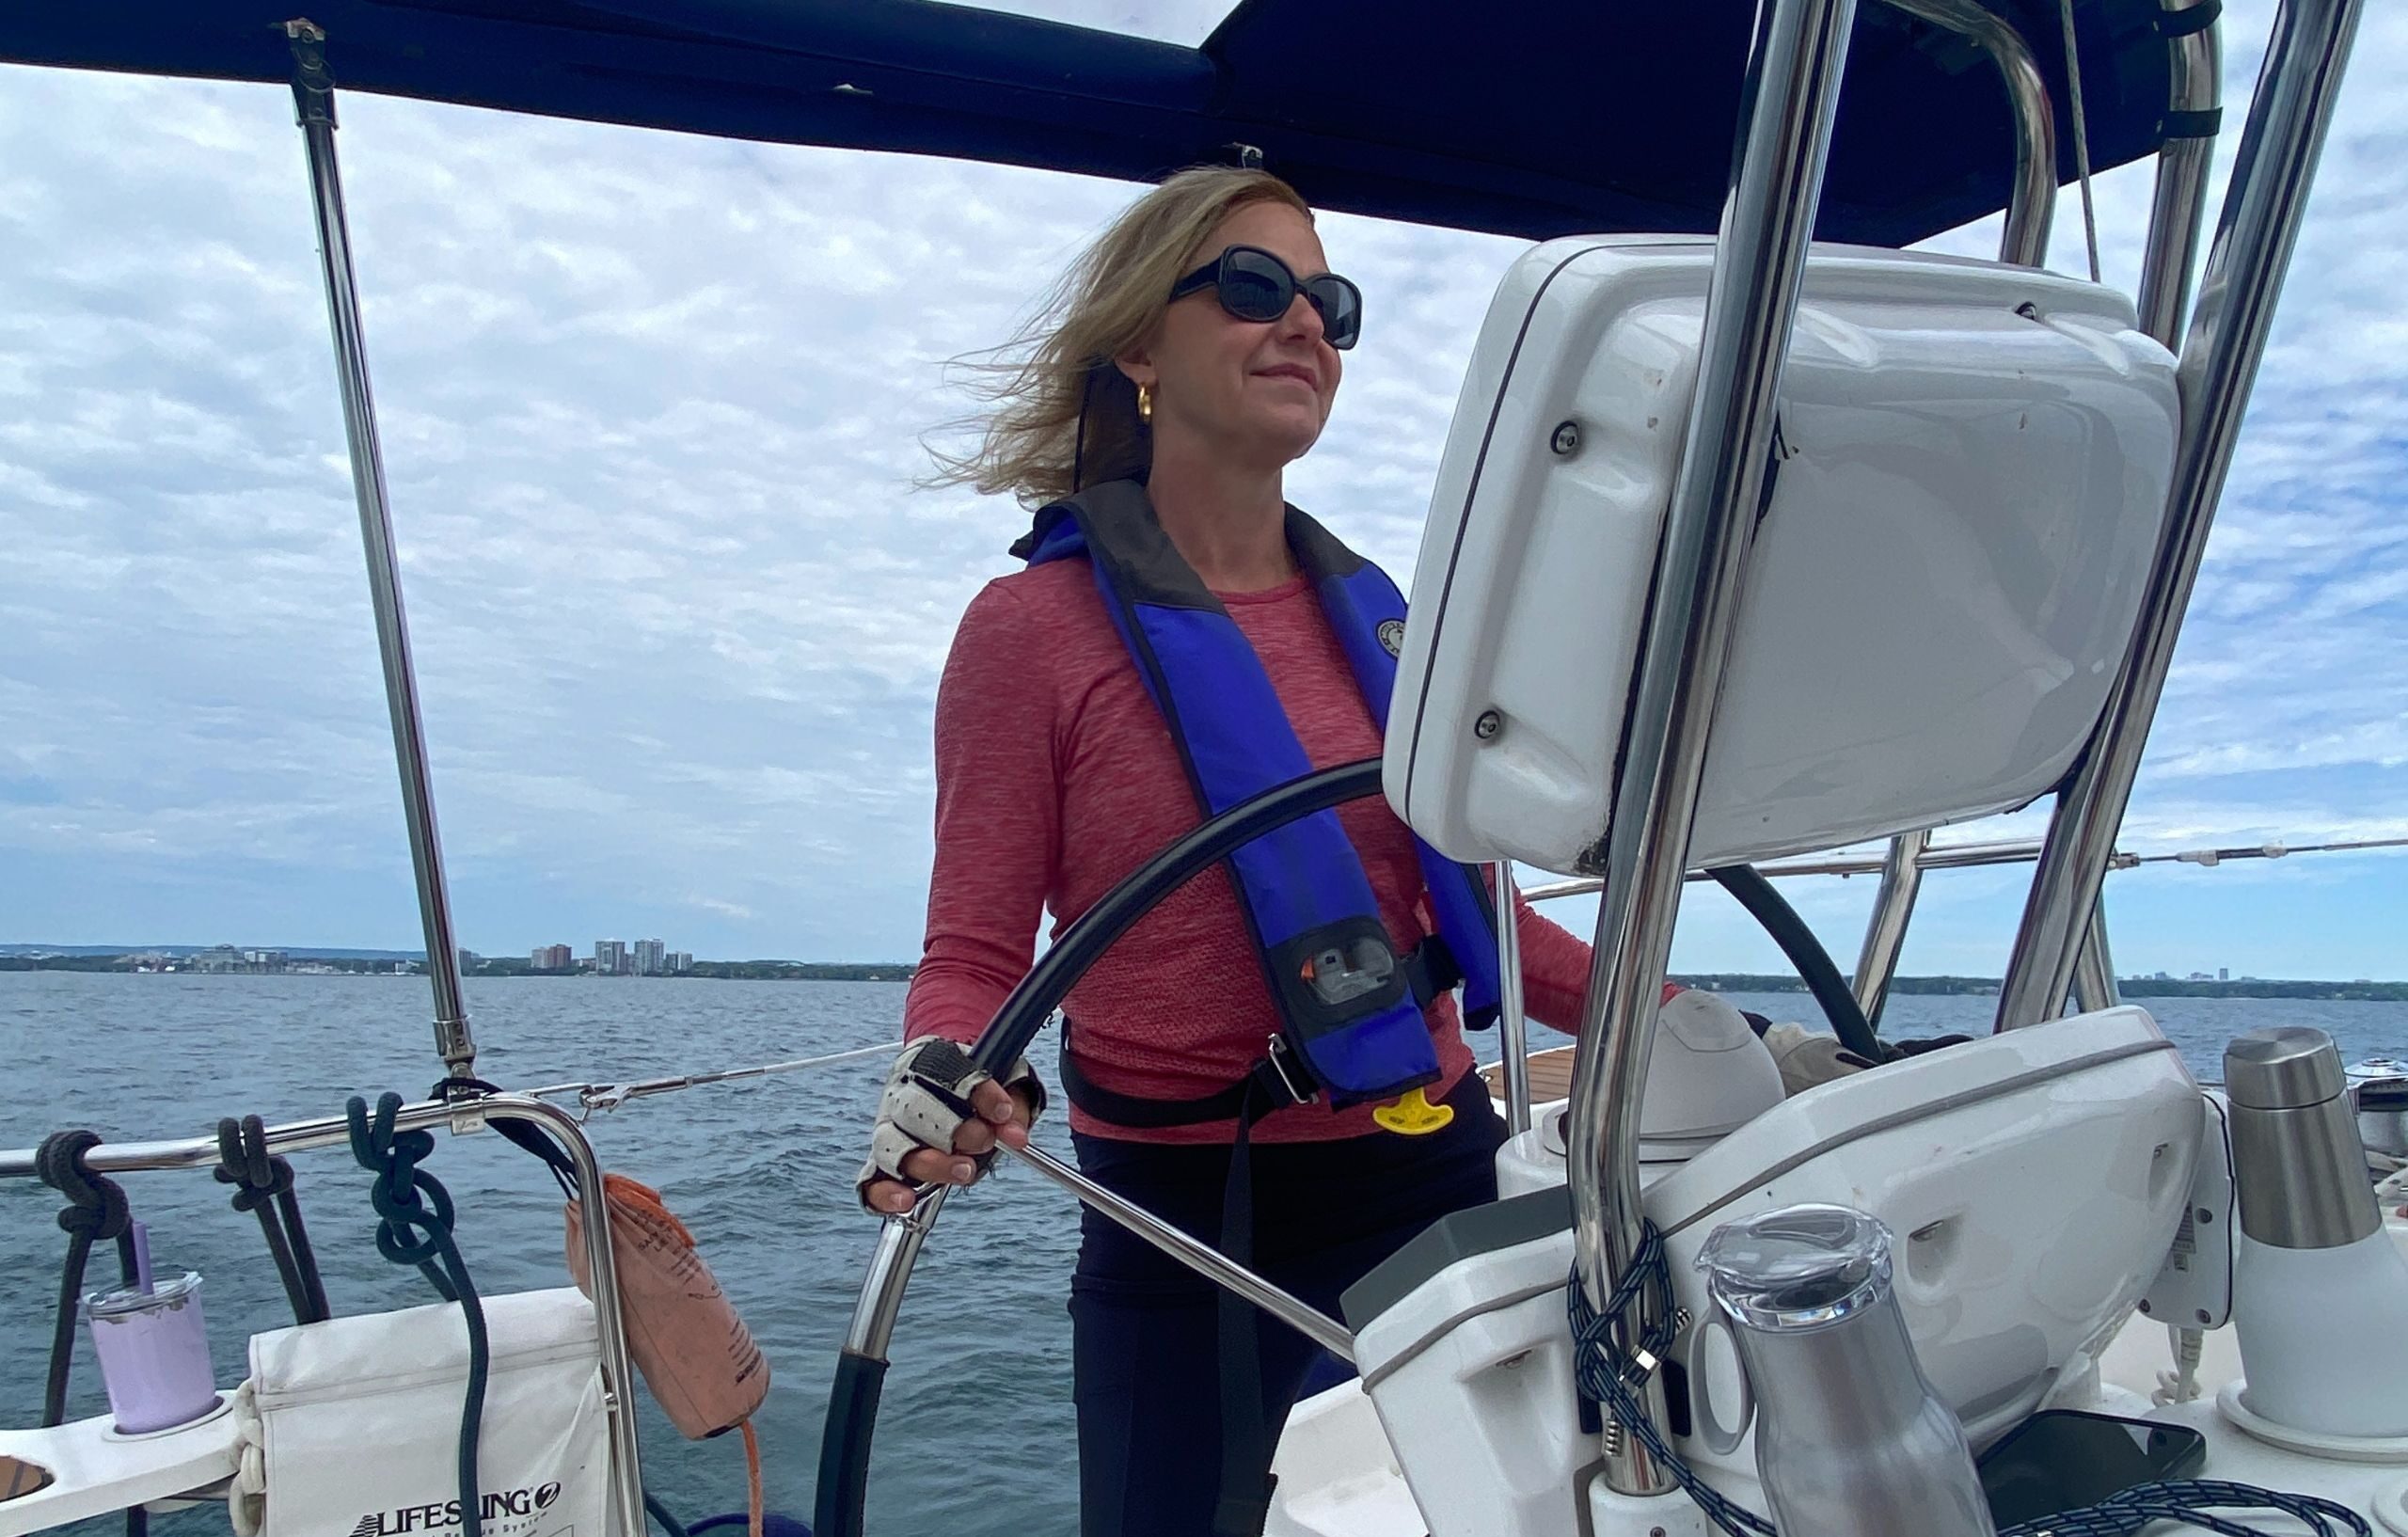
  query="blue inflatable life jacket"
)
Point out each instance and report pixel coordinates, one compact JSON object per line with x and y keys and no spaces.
{"x":1350,"y":1008}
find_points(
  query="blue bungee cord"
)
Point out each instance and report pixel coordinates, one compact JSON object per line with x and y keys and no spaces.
{"x":1611,"y":1377}
{"x":412,"y":1234}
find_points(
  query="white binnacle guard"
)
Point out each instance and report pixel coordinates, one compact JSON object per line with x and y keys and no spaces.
{"x":2035,"y":1180}
{"x":1973,"y":464}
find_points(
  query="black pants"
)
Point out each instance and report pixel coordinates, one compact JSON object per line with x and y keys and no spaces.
{"x":1145,"y":1373}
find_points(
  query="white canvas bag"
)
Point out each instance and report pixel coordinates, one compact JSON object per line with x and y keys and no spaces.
{"x":353,"y":1425}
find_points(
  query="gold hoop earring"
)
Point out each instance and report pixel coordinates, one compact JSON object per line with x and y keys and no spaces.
{"x":1146,"y":404}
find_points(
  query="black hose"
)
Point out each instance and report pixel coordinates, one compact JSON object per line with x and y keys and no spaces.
{"x":1805,"y":952}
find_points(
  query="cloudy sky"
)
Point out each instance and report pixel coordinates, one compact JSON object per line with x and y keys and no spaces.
{"x":652,"y":408}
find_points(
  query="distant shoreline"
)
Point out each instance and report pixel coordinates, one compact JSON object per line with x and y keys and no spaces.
{"x":354,"y":963}
{"x":304,"y":962}
{"x":2135,"y":986}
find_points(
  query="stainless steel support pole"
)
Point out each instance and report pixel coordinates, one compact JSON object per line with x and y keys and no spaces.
{"x":2032,"y":204}
{"x":1512,"y":1022}
{"x":618,"y":1380}
{"x":2273,"y":170}
{"x":1885,"y":932}
{"x":2181,"y":202}
{"x":601,"y":1264}
{"x":2094,"y":972}
{"x":2030,"y":210}
{"x":890,"y":1272}
{"x":314,"y":104}
{"x":1794,"y":67}
{"x":1196,"y":1255}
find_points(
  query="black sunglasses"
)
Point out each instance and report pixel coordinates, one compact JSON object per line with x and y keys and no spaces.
{"x":1256,"y":285}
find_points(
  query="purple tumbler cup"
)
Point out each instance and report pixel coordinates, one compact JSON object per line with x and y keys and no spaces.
{"x":154,"y":1353}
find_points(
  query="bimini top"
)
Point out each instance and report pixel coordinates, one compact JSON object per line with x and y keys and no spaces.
{"x":1534,"y":118}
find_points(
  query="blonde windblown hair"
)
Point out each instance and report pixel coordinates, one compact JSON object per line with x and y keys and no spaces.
{"x":1059,"y":367}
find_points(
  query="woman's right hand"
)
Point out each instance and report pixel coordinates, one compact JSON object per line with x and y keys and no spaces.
{"x":939,"y":1123}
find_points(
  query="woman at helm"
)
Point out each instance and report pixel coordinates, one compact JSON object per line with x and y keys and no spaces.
{"x":1179,"y":639}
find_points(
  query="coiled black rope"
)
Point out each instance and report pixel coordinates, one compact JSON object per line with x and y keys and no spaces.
{"x":564,"y":1172}
{"x":264,"y":1186}
{"x":412,"y":1232}
{"x":1613,"y":1376}
{"x":95,"y":1212}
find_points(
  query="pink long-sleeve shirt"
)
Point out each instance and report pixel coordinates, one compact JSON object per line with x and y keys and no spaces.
{"x":1056,"y":777}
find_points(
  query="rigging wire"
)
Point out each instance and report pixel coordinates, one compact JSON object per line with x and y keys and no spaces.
{"x":593,"y":1097}
{"x":2081,"y":137}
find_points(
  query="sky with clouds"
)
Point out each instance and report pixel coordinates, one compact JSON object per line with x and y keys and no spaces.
{"x":652,"y":410}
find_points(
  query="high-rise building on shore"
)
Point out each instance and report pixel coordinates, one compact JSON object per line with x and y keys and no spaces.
{"x":551,"y":957}
{"x":610,"y":958}
{"x":648,"y":956}
{"x":680,"y":962}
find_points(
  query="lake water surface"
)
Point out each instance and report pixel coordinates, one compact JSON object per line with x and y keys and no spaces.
{"x":975,"y":1437}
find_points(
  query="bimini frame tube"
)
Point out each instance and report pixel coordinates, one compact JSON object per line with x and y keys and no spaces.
{"x":2032,"y":202}
{"x":313,"y":103}
{"x":2030,"y":210}
{"x":2273,"y":170}
{"x":1794,"y":67}
{"x":2195,"y":109}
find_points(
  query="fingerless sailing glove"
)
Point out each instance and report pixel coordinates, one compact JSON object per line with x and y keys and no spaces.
{"x":925,"y":1101}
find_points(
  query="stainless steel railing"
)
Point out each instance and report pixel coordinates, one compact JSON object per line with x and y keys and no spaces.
{"x":2273,"y":167}
{"x":1794,"y":68}
{"x":618,"y":1382}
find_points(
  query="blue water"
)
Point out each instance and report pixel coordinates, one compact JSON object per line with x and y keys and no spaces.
{"x":975,"y":1436}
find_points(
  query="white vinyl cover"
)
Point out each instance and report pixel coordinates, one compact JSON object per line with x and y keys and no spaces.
{"x":358,"y":1423}
{"x":1972,"y":469}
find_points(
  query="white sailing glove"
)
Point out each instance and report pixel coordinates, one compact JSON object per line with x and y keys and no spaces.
{"x":927,"y":1098}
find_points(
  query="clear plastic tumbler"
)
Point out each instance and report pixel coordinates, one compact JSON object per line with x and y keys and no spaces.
{"x":155,"y":1354}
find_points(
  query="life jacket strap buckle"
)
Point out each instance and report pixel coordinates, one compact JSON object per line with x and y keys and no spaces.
{"x":1279,"y":1072}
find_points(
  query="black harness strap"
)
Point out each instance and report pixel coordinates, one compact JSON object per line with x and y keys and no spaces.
{"x":1430,"y":971}
{"x":1274,"y":1083}
{"x":1246,"y":1480}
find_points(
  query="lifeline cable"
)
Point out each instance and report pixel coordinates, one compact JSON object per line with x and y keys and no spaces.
{"x":1610,"y":1376}
{"x":394,"y":1157}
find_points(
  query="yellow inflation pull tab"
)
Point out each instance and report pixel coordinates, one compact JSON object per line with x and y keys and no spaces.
{"x":1413,"y":1114}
